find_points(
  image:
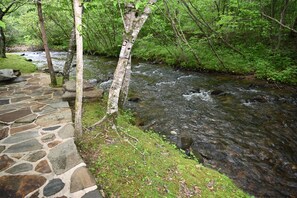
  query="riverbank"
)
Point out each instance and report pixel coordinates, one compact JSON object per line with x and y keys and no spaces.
{"x":261,"y":67}
{"x":129,"y":162}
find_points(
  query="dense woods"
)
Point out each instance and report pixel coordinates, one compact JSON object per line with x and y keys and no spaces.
{"x":237,"y":36}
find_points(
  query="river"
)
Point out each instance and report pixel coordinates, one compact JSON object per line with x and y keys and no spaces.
{"x":244,"y":129}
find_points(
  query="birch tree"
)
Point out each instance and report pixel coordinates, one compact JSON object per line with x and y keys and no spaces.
{"x":45,"y":45}
{"x":133,"y":20}
{"x":77,"y":4}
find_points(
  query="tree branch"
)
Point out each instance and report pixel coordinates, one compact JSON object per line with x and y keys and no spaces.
{"x":277,"y":21}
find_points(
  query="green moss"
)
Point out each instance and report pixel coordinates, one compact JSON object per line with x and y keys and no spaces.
{"x":133,"y":163}
{"x":18,"y":63}
{"x":59,"y":82}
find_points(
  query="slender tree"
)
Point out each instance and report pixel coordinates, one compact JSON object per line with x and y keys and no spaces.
{"x":133,"y":21}
{"x":69,"y":57}
{"x":45,"y":45}
{"x":79,"y":66}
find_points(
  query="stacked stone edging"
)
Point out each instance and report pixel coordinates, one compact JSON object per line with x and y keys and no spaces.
{"x":90,"y":93}
{"x":38,"y":157}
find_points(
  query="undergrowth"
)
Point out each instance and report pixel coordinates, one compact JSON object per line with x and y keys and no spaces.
{"x":128,"y":162}
{"x":259,"y":59}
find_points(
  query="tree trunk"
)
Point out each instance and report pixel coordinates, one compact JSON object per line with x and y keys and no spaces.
{"x":70,"y":55}
{"x":133,"y":23}
{"x":118,"y":78}
{"x":45,"y":45}
{"x":2,"y":44}
{"x":126,"y":83}
{"x":282,"y":20}
{"x":79,"y":66}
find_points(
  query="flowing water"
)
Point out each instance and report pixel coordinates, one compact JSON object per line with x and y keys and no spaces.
{"x":247,"y":131}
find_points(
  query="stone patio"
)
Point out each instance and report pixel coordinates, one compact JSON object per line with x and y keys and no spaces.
{"x":38,"y":157}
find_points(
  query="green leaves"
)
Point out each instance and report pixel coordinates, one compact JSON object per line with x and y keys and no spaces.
{"x":2,"y":24}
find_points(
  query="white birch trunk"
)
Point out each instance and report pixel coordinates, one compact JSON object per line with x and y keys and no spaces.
{"x":79,"y":66}
{"x":126,"y":83}
{"x":133,"y":24}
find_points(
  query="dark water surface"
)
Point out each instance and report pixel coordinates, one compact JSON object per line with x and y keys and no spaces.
{"x":247,"y":131}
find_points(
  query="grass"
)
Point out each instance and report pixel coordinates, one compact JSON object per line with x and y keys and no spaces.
{"x":17,"y":62}
{"x":129,"y":162}
{"x":59,"y":82}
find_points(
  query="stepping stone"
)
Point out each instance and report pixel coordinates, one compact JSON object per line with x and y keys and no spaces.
{"x":4,"y":102}
{"x":66,"y":132}
{"x":4,"y":133}
{"x":51,"y":128}
{"x":22,"y":128}
{"x":12,"y":116}
{"x":53,"y":187}
{"x":28,"y":119}
{"x":64,"y":156}
{"x":2,"y":148}
{"x":20,"y":185}
{"x":20,"y":137}
{"x":37,"y":107}
{"x":93,"y":194}
{"x":13,"y":100}
{"x":43,"y":167}
{"x":37,"y":93}
{"x":7,"y":110}
{"x":55,"y":118}
{"x":48,"y":138}
{"x":53,"y":144}
{"x":5,"y":162}
{"x":81,"y":179}
{"x":60,"y":105}
{"x":33,"y":157}
{"x":20,"y":168}
{"x":48,"y":109}
{"x":30,"y":145}
{"x":17,"y":155}
{"x":33,"y":88}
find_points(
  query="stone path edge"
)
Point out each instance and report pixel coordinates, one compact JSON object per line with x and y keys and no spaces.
{"x":38,"y":157}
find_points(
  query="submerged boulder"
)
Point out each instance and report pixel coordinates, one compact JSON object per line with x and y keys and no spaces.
{"x":184,"y":142}
{"x":217,"y":92}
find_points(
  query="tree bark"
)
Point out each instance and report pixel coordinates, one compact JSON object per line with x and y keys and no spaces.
{"x":2,"y":44}
{"x":45,"y":45}
{"x":79,"y":66}
{"x":126,"y":83}
{"x":133,"y":23}
{"x":282,"y":20}
{"x":70,"y":55}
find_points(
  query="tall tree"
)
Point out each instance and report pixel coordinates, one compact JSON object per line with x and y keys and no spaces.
{"x":79,"y":66}
{"x":133,"y":20}
{"x":70,"y":55}
{"x":45,"y":45}
{"x":6,"y":7}
{"x":282,"y":20}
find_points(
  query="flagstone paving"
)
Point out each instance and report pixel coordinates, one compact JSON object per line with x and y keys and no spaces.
{"x":38,"y":157}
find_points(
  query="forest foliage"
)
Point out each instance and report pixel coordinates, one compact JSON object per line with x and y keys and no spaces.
{"x":235,"y":36}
